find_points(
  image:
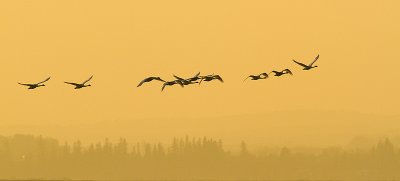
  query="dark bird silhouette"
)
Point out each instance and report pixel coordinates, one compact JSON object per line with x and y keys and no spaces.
{"x":208,"y":78}
{"x":307,"y":67}
{"x":283,"y":72}
{"x":192,"y":80}
{"x":34,"y":86}
{"x":171,"y":83}
{"x":257,"y":77}
{"x":149,"y":79}
{"x":196,"y":77}
{"x":82,"y":85}
{"x":185,"y":81}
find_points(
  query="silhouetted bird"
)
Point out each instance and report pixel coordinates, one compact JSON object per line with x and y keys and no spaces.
{"x":189,"y":81}
{"x":171,"y":83}
{"x":34,"y":86}
{"x":82,"y":85}
{"x":257,"y":77}
{"x":310,"y":66}
{"x":208,"y":78}
{"x":185,"y":81}
{"x":196,"y":77}
{"x":149,"y":79}
{"x":283,"y":72}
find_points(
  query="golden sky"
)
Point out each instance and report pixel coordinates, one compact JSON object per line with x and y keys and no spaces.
{"x":122,"y":42}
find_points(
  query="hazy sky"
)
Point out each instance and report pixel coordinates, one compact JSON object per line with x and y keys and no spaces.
{"x":122,"y":42}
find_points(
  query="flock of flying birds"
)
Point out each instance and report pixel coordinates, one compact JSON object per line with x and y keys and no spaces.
{"x":197,"y":79}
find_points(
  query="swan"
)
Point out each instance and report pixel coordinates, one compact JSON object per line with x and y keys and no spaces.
{"x":208,"y":78}
{"x":308,"y":67}
{"x":171,"y":83}
{"x":149,"y":79}
{"x":34,"y":86}
{"x":192,"y":80}
{"x":257,"y":77}
{"x":82,"y":85}
{"x":283,"y":72}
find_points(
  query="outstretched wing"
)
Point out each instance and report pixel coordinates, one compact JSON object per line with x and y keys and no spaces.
{"x":198,"y":74}
{"x":179,"y":78}
{"x":44,"y":81}
{"x":75,"y":84}
{"x":25,"y":84}
{"x":288,"y":71}
{"x":159,"y":79}
{"x":143,"y":81}
{"x":303,"y":65}
{"x":90,"y":78}
{"x":219,"y":78}
{"x":264,"y":74}
{"x":316,"y":58}
{"x":163,"y":87}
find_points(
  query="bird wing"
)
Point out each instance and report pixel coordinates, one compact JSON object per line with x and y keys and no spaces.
{"x":159,"y":79}
{"x":142,"y":82}
{"x":25,"y":84}
{"x":198,"y":74}
{"x":163,"y":87}
{"x":44,"y":81}
{"x":219,"y":78}
{"x":75,"y":84}
{"x":304,"y":65}
{"x":264,"y":74}
{"x":316,"y":58}
{"x":179,"y":78}
{"x":90,"y":78}
{"x":288,"y":71}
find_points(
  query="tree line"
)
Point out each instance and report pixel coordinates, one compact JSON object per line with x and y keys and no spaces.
{"x":38,"y":157}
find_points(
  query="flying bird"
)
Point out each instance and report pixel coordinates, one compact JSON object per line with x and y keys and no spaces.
{"x":149,"y":79}
{"x":283,"y":72}
{"x":257,"y":77}
{"x":171,"y":83}
{"x":82,"y":85}
{"x":185,"y":81}
{"x":208,"y":78}
{"x":308,"y":67}
{"x":34,"y":86}
{"x":192,"y":80}
{"x":195,"y":77}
